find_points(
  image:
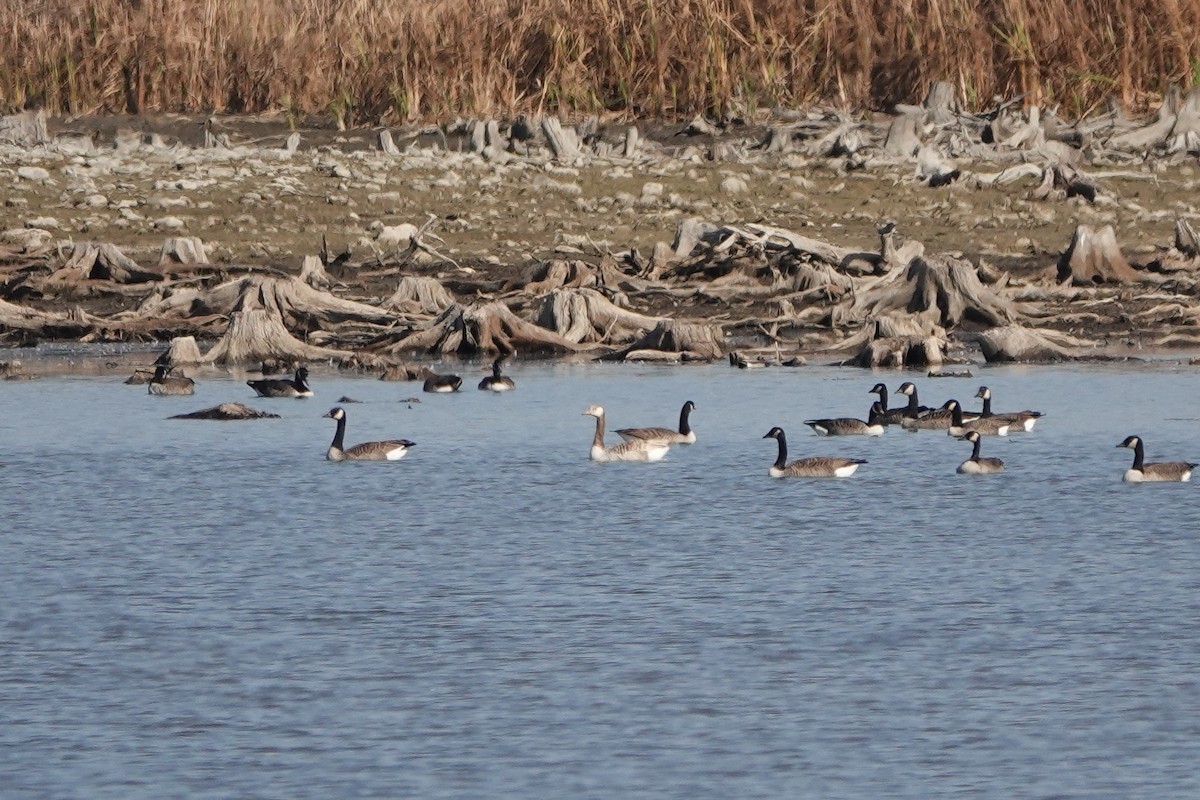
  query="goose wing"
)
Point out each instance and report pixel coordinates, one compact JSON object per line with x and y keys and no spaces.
{"x":665,"y":435}
{"x":385,"y":450}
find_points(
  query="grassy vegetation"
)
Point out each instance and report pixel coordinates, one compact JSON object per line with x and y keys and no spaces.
{"x":402,"y":60}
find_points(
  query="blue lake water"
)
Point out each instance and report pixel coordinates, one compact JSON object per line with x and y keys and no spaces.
{"x":211,"y":610}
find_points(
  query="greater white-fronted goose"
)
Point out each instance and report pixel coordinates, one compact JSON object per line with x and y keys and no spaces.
{"x":636,"y":450}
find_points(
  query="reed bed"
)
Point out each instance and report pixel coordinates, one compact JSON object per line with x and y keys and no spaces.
{"x":367,"y":61}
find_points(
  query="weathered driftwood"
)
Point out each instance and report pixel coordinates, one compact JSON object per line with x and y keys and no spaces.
{"x":489,"y":328}
{"x":563,"y":141}
{"x":312,"y":272}
{"x":182,"y":250}
{"x":1095,"y":257}
{"x":1018,"y":343}
{"x":420,"y":295}
{"x":874,"y":263}
{"x":102,"y":262}
{"x":1061,"y":181}
{"x":20,"y":325}
{"x":904,"y":135}
{"x":1157,"y":131}
{"x":1183,"y":255}
{"x":674,"y":339}
{"x":895,"y":341}
{"x":183,"y":350}
{"x":946,"y":289}
{"x":227,"y":412}
{"x":25,"y":129}
{"x":559,"y":273}
{"x":258,"y":333}
{"x":585,"y":315}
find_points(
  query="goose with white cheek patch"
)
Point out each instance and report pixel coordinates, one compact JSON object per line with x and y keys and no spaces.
{"x":685,"y":434}
{"x":937,"y":419}
{"x":984,"y":427}
{"x":160,"y":384}
{"x":914,"y":409}
{"x":849,"y":426}
{"x":1141,"y":472}
{"x":636,"y":450}
{"x":1021,"y":420}
{"x":812,"y":467}
{"x":386,"y":450}
{"x":976,"y":464}
{"x":283,"y":387}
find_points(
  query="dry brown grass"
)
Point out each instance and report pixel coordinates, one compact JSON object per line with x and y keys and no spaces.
{"x":425,"y":59}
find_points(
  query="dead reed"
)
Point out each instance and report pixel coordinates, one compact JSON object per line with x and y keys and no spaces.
{"x":370,"y":60}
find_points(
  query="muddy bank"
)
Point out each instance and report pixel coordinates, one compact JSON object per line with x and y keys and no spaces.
{"x":913,"y":239}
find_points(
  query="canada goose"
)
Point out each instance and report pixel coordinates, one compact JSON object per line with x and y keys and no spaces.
{"x":889,"y":416}
{"x":814,"y":467}
{"x":976,"y":465}
{"x":1021,"y":420}
{"x":937,"y":419}
{"x":161,"y":384}
{"x":387,"y":450}
{"x":439,"y":383}
{"x":685,"y":434}
{"x":914,"y":408}
{"x":985,"y":427}
{"x":1158,"y":471}
{"x":497,"y":382}
{"x":636,"y":450}
{"x":282,"y":387}
{"x":849,"y":426}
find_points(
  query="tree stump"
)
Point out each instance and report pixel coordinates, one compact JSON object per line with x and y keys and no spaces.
{"x":1015,"y":343}
{"x":490,"y":328}
{"x":183,"y":350}
{"x":182,"y":250}
{"x":585,"y":315}
{"x":671,"y":338}
{"x":420,"y":295}
{"x":312,"y":272}
{"x":102,"y":262}
{"x":256,"y":334}
{"x":896,"y":341}
{"x":946,"y":289}
{"x":1095,"y":257}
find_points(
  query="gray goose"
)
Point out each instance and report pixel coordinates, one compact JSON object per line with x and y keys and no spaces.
{"x":497,"y":382}
{"x":636,"y":450}
{"x":440,"y":384}
{"x":160,"y":384}
{"x":386,"y":450}
{"x":849,"y":426}
{"x":685,"y":434}
{"x":1021,"y":420}
{"x":976,"y":465}
{"x":984,"y":427}
{"x":1141,"y":472}
{"x":283,"y":387}
{"x":812,"y":467}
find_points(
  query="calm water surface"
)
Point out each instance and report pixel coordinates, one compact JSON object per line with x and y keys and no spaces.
{"x":212,"y":610}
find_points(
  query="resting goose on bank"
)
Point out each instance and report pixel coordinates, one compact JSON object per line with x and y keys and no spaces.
{"x":685,"y":434}
{"x":1021,"y":420}
{"x":497,"y":382}
{"x":813,"y":467}
{"x":985,"y":427}
{"x":440,"y":384}
{"x":283,"y":387}
{"x":937,"y":419}
{"x":636,"y":450}
{"x":976,"y":465}
{"x":162,"y":385}
{"x":387,"y":450}
{"x":849,"y":426}
{"x":1142,"y":472}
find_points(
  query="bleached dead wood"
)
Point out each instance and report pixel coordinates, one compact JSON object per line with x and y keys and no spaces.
{"x":488,"y":328}
{"x":102,"y":262}
{"x":693,"y":341}
{"x":585,"y":315}
{"x":24,"y":129}
{"x":946,"y":289}
{"x":312,"y":272}
{"x":563,"y":141}
{"x":182,"y":250}
{"x":1095,"y":257}
{"x":1018,"y":343}
{"x":421,"y":295}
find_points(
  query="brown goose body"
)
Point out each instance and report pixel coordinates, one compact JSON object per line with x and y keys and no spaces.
{"x":283,"y":387}
{"x":385,"y":450}
{"x":497,"y":382}
{"x":635,"y":450}
{"x":439,"y":384}
{"x":849,"y":426}
{"x":976,"y":464}
{"x":984,"y":427}
{"x":812,"y":467}
{"x":1142,"y":472}
{"x":685,"y":434}
{"x":1019,"y":420}
{"x":160,"y":384}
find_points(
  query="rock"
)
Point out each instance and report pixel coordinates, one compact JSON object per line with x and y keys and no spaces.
{"x":33,"y":174}
{"x":228,"y":412}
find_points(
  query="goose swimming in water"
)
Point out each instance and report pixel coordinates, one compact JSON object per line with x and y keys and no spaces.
{"x":386,"y":450}
{"x":283,"y":387}
{"x":636,"y":450}
{"x":975,"y":465}
{"x":812,"y":467}
{"x":1141,"y":472}
{"x":914,"y":408}
{"x":1021,"y":420}
{"x":985,"y":427}
{"x":685,"y":434}
{"x":440,"y":384}
{"x":497,"y":382}
{"x":937,"y":419}
{"x":849,"y":426}
{"x":160,"y":384}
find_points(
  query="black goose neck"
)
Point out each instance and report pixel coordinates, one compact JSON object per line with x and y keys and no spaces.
{"x":956,"y":415}
{"x":975,"y":449}
{"x":781,"y":461}
{"x":685,"y":425}
{"x":340,"y":436}
{"x":1139,"y":455}
{"x":913,"y":406}
{"x":987,"y":406}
